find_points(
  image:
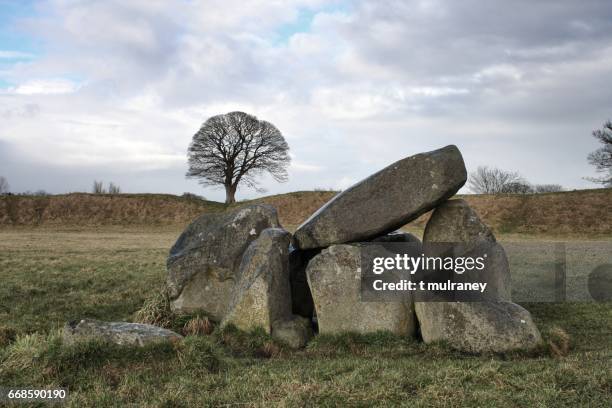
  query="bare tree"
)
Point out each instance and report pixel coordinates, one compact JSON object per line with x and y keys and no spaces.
{"x":233,"y":149}
{"x":602,"y":157}
{"x":485,"y":180}
{"x":548,"y":188}
{"x":4,"y":185}
{"x":98,"y":187}
{"x":114,"y":188}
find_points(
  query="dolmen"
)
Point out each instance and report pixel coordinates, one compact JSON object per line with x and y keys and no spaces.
{"x":240,"y":267}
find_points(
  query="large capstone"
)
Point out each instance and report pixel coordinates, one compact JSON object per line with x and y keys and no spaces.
{"x":204,"y":261}
{"x":454,"y":222}
{"x":334,"y":277}
{"x":122,"y":333}
{"x":478,"y":327}
{"x":386,"y":200}
{"x":262,"y":294}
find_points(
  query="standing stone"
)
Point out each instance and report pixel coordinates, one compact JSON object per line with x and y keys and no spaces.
{"x":121,"y":333}
{"x":492,"y":325}
{"x":204,"y":261}
{"x":456,"y":223}
{"x":334,"y":277}
{"x":478,"y":327}
{"x":262,"y":294}
{"x":386,"y":200}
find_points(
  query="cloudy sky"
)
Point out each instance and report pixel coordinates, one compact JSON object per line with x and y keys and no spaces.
{"x":114,"y":90}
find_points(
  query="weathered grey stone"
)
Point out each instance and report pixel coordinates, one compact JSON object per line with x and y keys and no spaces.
{"x":455,"y":222}
{"x":295,"y":332}
{"x":204,"y":261}
{"x":121,"y":333}
{"x":301,"y":297}
{"x":386,"y":200}
{"x":494,"y":325}
{"x":262,"y":293}
{"x":334,"y":277}
{"x":478,"y":327}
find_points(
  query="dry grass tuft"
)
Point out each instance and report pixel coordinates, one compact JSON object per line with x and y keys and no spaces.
{"x":156,"y":311}
{"x":7,"y":336}
{"x":24,"y":351}
{"x":198,"y":326}
{"x":268,"y":350}
{"x":558,"y":342}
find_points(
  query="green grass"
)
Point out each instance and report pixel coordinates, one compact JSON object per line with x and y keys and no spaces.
{"x":50,"y":277}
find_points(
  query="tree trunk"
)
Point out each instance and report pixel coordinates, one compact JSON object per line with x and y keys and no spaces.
{"x":230,"y":193}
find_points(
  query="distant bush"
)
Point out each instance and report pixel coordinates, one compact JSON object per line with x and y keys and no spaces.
{"x":548,"y":188}
{"x":486,"y":180}
{"x":114,"y":188}
{"x":4,"y":185}
{"x":98,"y":187}
{"x":328,"y":189}
{"x":29,"y":193}
{"x":191,"y":196}
{"x":517,"y":187}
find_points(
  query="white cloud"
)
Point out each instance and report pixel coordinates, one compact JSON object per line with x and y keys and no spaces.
{"x":46,"y":87}
{"x":435,"y":91}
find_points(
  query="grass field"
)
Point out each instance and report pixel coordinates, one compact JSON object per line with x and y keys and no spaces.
{"x":50,"y":276}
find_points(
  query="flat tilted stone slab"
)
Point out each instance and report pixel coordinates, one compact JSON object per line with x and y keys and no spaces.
{"x":121,"y":333}
{"x":386,"y":200}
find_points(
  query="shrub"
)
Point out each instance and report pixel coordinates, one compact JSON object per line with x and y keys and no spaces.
{"x":191,"y":196}
{"x":98,"y":187}
{"x":114,"y":188}
{"x":548,"y":188}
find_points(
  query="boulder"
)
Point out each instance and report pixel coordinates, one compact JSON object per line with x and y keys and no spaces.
{"x":455,"y":222}
{"x":334,"y":277}
{"x":295,"y":332}
{"x":262,"y":293}
{"x":121,"y":333}
{"x":386,"y":200}
{"x":204,"y":261}
{"x":478,"y":327}
{"x":491,"y":325}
